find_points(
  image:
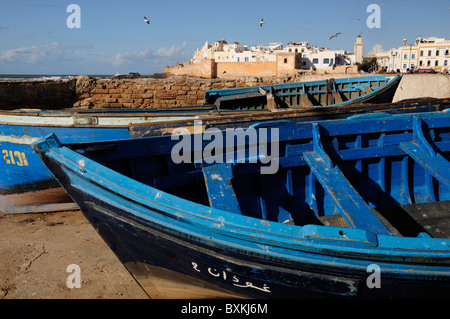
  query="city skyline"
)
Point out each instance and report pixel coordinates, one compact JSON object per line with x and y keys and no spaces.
{"x":42,"y":37}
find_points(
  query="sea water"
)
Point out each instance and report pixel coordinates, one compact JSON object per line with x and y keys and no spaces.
{"x":42,"y":77}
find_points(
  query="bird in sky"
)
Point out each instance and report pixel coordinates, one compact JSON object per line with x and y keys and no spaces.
{"x":146,"y":20}
{"x":334,"y":36}
{"x":261,"y":22}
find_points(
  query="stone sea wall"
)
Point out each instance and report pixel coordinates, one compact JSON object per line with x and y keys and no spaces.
{"x":37,"y":94}
{"x":146,"y":92}
{"x":141,"y":92}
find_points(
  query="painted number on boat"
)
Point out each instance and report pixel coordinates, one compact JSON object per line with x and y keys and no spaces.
{"x":236,"y":282}
{"x":15,"y":158}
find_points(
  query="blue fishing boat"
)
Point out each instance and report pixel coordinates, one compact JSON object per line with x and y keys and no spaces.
{"x":26,"y":185}
{"x":355,"y":207}
{"x":342,"y":92}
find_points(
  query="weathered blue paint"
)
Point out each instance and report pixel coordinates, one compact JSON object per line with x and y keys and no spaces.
{"x":219,"y":187}
{"x":157,"y":213}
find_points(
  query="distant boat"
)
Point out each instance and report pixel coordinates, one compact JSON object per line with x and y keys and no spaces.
{"x":332,"y":92}
{"x":26,"y":185}
{"x":357,"y":207}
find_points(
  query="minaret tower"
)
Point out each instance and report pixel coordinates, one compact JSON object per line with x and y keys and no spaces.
{"x":358,"y":50}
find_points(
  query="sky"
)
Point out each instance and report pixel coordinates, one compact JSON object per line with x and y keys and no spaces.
{"x":113,"y":38}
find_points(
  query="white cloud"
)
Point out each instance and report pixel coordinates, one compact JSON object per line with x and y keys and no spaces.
{"x":119,"y":59}
{"x":146,"y":55}
{"x":32,"y":55}
{"x":43,"y":53}
{"x":376,"y":48}
{"x":173,"y":51}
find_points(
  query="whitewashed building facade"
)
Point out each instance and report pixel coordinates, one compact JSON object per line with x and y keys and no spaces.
{"x":313,"y":58}
{"x":425,"y":53}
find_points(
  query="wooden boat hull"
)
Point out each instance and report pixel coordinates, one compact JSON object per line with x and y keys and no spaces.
{"x":176,"y":246}
{"x":180,"y":266}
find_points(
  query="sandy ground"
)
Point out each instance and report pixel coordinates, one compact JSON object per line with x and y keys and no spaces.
{"x":36,"y":250}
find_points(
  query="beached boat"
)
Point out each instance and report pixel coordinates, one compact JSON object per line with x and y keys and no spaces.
{"x":342,"y":92}
{"x":26,"y":185}
{"x":353,"y":207}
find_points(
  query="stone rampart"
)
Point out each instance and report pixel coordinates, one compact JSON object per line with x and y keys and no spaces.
{"x":239,"y":69}
{"x":142,"y":92}
{"x":37,"y":94}
{"x":145,"y":92}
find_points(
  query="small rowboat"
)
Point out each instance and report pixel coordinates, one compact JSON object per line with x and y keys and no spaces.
{"x":356,"y":207}
{"x":332,"y":92}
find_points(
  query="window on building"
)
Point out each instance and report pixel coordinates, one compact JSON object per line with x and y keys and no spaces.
{"x":405,"y":56}
{"x":437,"y":52}
{"x":413,"y":56}
{"x":404,"y":65}
{"x":326,"y":61}
{"x":420,"y":63}
{"x":436,"y":63}
{"x":285,"y":60}
{"x":445,"y":62}
{"x":428,"y":63}
{"x":446,"y":52}
{"x":429,"y":52}
{"x":315,"y":60}
{"x":421,"y":53}
{"x":413,"y":65}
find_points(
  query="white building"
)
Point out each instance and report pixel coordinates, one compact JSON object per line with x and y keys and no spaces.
{"x":433,"y":53}
{"x":425,"y":53}
{"x":221,"y":51}
{"x":313,"y":57}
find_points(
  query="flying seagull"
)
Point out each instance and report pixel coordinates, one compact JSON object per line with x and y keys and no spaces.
{"x":146,"y":20}
{"x":261,"y":22}
{"x":334,"y":36}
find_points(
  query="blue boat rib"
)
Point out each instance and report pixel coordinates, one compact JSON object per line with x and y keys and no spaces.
{"x":349,"y":203}
{"x":220,"y":191}
{"x":424,"y":154}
